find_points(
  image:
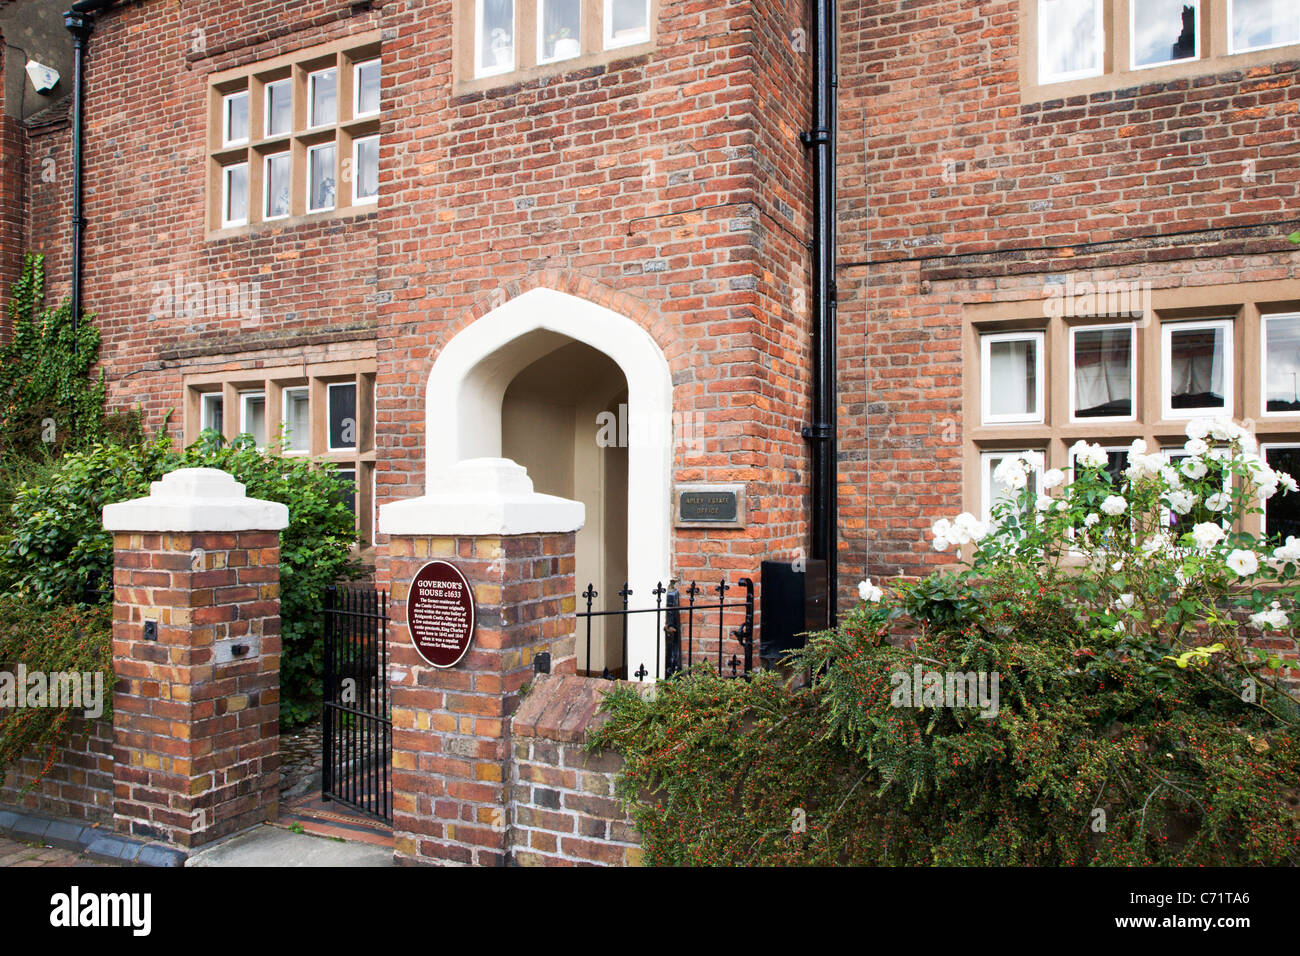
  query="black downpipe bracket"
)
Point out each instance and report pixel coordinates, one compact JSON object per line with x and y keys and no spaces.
{"x":79,"y":21}
{"x":822,"y":432}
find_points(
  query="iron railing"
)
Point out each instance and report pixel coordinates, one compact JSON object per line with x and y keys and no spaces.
{"x":676,"y":615}
{"x":357,"y":722}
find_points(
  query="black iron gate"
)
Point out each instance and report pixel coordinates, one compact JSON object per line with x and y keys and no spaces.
{"x":683,"y":628}
{"x":357,"y":722}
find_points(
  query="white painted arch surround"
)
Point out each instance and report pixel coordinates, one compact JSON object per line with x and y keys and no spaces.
{"x":463,"y":417}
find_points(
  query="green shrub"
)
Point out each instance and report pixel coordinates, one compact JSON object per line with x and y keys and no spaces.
{"x":51,"y":640}
{"x":315,"y":552}
{"x":56,"y":545}
{"x":1132,"y":722}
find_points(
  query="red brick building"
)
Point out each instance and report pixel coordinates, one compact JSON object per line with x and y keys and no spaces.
{"x":416,"y":232}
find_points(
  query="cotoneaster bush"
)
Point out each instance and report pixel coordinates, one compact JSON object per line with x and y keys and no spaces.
{"x":1131,"y":723}
{"x":58,"y":640}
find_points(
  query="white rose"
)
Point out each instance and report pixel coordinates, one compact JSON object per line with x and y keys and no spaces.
{"x":1194,"y":469}
{"x":1274,"y":618}
{"x":1207,"y":534}
{"x":1137,"y":449}
{"x":1044,"y":503}
{"x":1197,"y":428}
{"x":1223,"y":429}
{"x":1195,"y":446}
{"x":1011,"y":474}
{"x":1114,"y":505}
{"x":1053,"y":477}
{"x":968,"y":528}
{"x":1219,"y":501}
{"x":1091,"y":520}
{"x":1180,"y":502}
{"x":1125,"y":600}
{"x":1243,"y":563}
{"x":869,"y":592}
{"x":1287,"y":482}
{"x":1289,"y":551}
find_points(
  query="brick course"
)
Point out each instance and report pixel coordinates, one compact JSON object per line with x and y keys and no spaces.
{"x":78,"y":783}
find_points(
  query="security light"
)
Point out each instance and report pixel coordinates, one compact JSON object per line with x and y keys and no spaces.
{"x":44,"y":78}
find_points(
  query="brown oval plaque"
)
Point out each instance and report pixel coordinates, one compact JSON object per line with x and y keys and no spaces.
{"x":440,"y":614}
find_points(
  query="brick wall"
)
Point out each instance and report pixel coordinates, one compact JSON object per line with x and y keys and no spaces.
{"x":954,"y":192}
{"x":196,"y":751}
{"x":78,"y":784}
{"x":670,"y":185}
{"x":564,"y":812}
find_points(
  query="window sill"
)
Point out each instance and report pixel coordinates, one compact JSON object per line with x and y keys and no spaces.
{"x":1033,"y":92}
{"x":367,"y":210}
{"x":538,"y":71}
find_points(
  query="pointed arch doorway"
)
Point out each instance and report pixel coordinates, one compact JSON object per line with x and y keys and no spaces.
{"x":536,"y":380}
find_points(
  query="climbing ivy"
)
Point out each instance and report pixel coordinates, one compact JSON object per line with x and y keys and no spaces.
{"x":50,"y":399}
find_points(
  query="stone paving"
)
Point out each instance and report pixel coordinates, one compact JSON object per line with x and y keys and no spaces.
{"x":14,"y":853}
{"x":300,"y":758}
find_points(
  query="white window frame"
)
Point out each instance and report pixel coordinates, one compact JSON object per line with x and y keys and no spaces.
{"x":329,"y":436}
{"x":1167,"y":329}
{"x":266,"y":108}
{"x":1232,"y":50}
{"x":207,"y":399}
{"x":244,"y":398}
{"x":311,"y":150}
{"x":356,"y":88}
{"x":1264,"y":319}
{"x":225,"y":118}
{"x":285,"y":393}
{"x":986,"y":475}
{"x":1264,"y":448}
{"x":481,"y":69}
{"x":987,"y":340}
{"x":266,"y":186}
{"x":226,"y":221}
{"x":1132,"y":38}
{"x":541,"y":35}
{"x":356,"y":172}
{"x":1046,"y":78}
{"x":607,"y":28}
{"x":1132,"y":372}
{"x":311,"y":98}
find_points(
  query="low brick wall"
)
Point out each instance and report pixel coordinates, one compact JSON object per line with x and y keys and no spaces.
{"x":79,"y":783}
{"x":563,"y":808}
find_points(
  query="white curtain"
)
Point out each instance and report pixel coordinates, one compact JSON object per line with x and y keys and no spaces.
{"x":1196,"y":363}
{"x":1103,"y":369}
{"x":1012,"y":368}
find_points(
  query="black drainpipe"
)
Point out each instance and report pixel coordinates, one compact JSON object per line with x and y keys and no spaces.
{"x":823,"y":428}
{"x":80,"y":21}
